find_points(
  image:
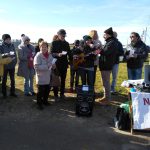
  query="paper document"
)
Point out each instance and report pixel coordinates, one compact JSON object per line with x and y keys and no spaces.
{"x":64,"y":52}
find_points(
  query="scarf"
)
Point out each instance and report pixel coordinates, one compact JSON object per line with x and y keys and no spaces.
{"x":46,"y":55}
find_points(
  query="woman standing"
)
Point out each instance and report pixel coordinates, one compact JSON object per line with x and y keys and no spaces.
{"x":26,"y":55}
{"x":97,"y":45}
{"x":43,"y":63}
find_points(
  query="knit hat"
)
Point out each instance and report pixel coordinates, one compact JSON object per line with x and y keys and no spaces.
{"x":25,"y":38}
{"x":76,"y":42}
{"x":61,"y":32}
{"x":5,"y":36}
{"x":86,"y":38}
{"x":109,"y":31}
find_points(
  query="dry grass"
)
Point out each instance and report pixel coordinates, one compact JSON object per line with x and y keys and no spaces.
{"x":122,"y":75}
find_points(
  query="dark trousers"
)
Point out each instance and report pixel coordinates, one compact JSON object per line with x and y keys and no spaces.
{"x":42,"y":94}
{"x":12,"y":81}
{"x":74,"y":75}
{"x":62,"y":74}
{"x":87,"y":77}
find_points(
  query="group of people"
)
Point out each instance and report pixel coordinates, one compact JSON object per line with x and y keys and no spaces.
{"x":84,"y":58}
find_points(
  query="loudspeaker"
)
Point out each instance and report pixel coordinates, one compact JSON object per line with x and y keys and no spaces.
{"x":84,"y":101}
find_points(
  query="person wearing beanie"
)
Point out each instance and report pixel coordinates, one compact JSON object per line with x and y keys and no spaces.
{"x":8,"y":48}
{"x":120,"y":52}
{"x":109,"y":31}
{"x":106,"y":62}
{"x":86,"y":68}
{"x":60,"y":49}
{"x":26,"y":53}
{"x":74,"y":73}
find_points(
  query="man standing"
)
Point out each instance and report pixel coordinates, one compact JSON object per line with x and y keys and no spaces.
{"x":106,"y":62}
{"x":120,"y":52}
{"x":60,"y":49}
{"x":7,"y":48}
{"x":135,"y":56}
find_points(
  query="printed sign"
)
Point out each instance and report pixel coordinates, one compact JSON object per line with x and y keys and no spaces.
{"x":141,"y":110}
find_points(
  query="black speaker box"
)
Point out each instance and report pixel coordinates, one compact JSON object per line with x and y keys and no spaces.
{"x":85,"y":101}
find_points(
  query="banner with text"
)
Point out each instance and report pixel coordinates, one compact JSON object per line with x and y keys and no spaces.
{"x":141,"y":110}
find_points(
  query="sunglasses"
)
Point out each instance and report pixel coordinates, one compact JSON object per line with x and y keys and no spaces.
{"x":132,"y":36}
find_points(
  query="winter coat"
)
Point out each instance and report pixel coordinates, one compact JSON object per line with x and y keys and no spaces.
{"x":120,"y":51}
{"x":55,"y":78}
{"x":89,"y":57}
{"x":140,"y":49}
{"x":97,"y":44}
{"x":41,"y":65}
{"x":8,"y":48}
{"x":108,"y":55}
{"x":24,"y":53}
{"x":57,"y":47}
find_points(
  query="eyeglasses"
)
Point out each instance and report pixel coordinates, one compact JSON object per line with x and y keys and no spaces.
{"x":132,"y":36}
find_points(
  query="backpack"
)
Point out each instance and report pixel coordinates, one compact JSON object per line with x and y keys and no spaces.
{"x":122,"y":119}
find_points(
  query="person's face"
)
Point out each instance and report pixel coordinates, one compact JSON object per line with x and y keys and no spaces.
{"x":106,"y":36}
{"x":62,"y":37}
{"x":43,"y":48}
{"x":88,"y":42}
{"x":27,"y":42}
{"x":8,"y":40}
{"x":95,"y":37}
{"x":133,"y":38}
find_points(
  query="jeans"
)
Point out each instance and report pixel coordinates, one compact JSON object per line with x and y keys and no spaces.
{"x":28,"y":82}
{"x":106,"y":84}
{"x":114,"y":76}
{"x":87,"y":76}
{"x":12,"y":79}
{"x":134,"y":74}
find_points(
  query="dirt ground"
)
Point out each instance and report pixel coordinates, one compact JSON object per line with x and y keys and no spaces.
{"x":24,"y":127}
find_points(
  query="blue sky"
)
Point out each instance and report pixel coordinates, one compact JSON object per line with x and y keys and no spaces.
{"x":44,"y":18}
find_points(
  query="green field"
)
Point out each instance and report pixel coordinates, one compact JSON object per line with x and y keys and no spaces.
{"x":122,"y":75}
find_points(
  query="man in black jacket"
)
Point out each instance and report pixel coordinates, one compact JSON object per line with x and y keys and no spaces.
{"x":106,"y":62}
{"x":120,"y":52}
{"x":60,"y":49}
{"x":135,"y":56}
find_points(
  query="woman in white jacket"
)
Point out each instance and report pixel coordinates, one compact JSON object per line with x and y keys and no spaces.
{"x":43,"y":64}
